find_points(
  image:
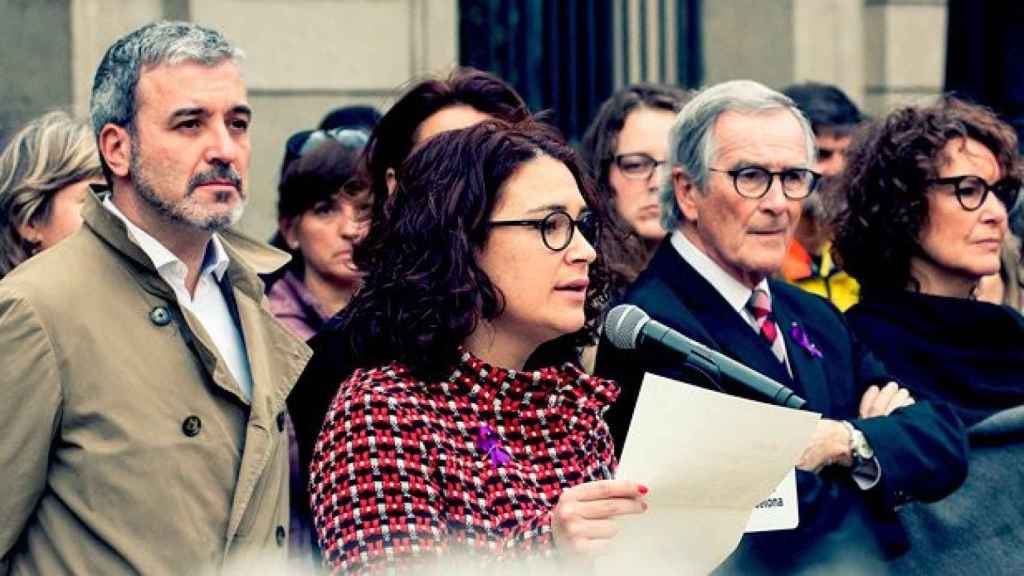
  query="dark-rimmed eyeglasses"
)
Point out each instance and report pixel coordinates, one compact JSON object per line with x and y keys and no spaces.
{"x":971,"y":191}
{"x":754,"y":181}
{"x":556,"y":229}
{"x":637,"y":166}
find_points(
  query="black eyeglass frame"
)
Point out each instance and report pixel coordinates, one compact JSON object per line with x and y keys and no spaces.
{"x":654,"y":164}
{"x":588,"y":220}
{"x":1001,"y":188}
{"x":815,"y":179}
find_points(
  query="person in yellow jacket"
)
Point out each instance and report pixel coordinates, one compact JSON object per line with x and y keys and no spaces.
{"x":808,"y":262}
{"x":820,"y":275}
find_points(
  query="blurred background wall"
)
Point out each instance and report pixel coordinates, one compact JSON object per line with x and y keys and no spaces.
{"x":306,"y":57}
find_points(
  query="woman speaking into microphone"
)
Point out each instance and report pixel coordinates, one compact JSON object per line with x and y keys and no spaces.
{"x":443,"y":443}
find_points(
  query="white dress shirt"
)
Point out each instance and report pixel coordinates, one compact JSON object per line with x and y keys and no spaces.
{"x":208,"y":305}
{"x":734,"y":292}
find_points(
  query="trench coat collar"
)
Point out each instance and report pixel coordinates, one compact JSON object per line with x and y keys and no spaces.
{"x":249,"y":257}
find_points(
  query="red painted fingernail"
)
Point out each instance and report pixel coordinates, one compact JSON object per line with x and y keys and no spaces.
{"x":642,"y":489}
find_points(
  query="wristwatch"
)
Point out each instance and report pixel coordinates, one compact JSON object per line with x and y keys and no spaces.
{"x":859,"y":447}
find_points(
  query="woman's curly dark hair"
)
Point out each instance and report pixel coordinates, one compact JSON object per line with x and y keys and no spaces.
{"x":888,"y":162}
{"x":394,"y":136}
{"x":626,"y":253}
{"x":423,"y":292}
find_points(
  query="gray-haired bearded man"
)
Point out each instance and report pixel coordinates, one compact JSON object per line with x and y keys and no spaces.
{"x":143,"y":391}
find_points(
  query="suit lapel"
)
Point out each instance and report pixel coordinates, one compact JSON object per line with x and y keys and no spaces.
{"x":721,"y":326}
{"x":808,"y":372}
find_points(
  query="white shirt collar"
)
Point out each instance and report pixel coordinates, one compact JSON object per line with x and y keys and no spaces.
{"x":215,"y":260}
{"x":734,"y":292}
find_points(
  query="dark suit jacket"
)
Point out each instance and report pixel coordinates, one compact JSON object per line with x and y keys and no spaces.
{"x":921,"y":449}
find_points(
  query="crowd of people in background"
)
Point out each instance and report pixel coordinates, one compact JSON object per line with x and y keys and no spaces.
{"x":427,"y":381}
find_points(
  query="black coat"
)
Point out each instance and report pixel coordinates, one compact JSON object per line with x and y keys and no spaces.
{"x":969,"y":354}
{"x":921,"y":448}
{"x":311,"y":397}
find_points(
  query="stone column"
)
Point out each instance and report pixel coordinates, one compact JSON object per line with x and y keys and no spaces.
{"x":34,"y":60}
{"x":906,"y":52}
{"x":749,"y":39}
{"x":95,"y":25}
{"x":829,"y":44}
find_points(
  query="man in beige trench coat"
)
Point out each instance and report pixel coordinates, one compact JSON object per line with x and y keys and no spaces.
{"x":142,"y":381}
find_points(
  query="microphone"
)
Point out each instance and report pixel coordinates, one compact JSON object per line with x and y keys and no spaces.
{"x":628,"y":328}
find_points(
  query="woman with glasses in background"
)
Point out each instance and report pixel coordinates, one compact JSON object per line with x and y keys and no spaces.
{"x":625,"y":148}
{"x":45,"y":172}
{"x":442,"y":444}
{"x":928,"y":190}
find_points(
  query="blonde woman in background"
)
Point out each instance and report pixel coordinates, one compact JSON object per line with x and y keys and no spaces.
{"x":45,"y":172}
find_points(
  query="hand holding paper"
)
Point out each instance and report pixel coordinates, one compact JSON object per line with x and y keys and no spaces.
{"x":708,"y":459}
{"x":582,"y":521}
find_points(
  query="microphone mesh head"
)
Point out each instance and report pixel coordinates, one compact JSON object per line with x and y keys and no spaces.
{"x":623,"y":324}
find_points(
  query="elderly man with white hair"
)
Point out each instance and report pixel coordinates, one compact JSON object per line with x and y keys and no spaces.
{"x":741,"y":156}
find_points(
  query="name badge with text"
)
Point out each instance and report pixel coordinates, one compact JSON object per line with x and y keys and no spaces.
{"x":779,"y":511}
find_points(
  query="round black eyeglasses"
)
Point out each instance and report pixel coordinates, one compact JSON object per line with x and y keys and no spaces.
{"x":971,"y":191}
{"x":754,"y":181}
{"x":556,"y":229}
{"x":637,"y":166}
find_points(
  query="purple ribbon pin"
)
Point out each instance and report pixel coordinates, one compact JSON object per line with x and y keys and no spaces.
{"x":801,"y":338}
{"x":487,"y":441}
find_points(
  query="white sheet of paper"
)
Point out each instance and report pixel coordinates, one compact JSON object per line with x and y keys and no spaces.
{"x":708,"y":459}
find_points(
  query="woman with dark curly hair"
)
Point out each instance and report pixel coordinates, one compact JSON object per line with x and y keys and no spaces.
{"x":625,"y":147}
{"x":928,"y":191}
{"x":463,"y":98}
{"x":442,"y":442}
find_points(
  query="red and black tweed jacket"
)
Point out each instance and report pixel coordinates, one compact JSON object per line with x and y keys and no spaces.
{"x":407,"y":471}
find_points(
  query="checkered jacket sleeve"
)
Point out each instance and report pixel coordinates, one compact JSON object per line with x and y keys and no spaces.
{"x":400,"y":476}
{"x":374,"y":501}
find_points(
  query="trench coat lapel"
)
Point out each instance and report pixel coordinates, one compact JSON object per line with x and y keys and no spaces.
{"x":274,"y":372}
{"x":112,"y":231}
{"x":274,"y":369}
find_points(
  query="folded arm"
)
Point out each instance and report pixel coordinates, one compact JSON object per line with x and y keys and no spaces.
{"x":921,"y":447}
